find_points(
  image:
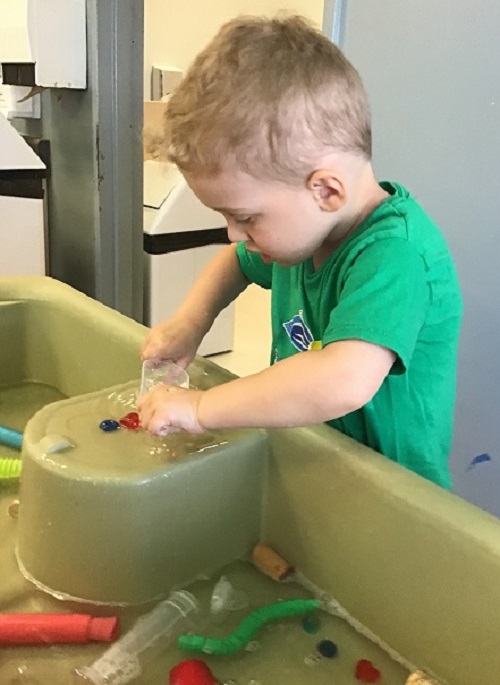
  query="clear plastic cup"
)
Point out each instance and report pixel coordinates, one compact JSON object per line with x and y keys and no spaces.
{"x":159,"y":372}
{"x":121,"y":663}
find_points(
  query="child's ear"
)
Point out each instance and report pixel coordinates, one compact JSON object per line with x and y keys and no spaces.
{"x":328,"y":190}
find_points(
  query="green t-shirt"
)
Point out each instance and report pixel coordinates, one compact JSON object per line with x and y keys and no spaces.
{"x":392,"y":283}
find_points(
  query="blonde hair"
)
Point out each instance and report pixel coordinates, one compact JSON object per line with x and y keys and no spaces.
{"x":271,"y":96}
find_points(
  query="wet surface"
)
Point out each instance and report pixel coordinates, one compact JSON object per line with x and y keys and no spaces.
{"x":282,"y":653}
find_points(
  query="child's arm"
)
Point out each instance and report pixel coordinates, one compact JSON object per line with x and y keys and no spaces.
{"x":310,"y":387}
{"x":218,"y":285}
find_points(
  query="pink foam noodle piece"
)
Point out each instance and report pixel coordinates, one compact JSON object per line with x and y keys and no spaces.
{"x":35,"y":629}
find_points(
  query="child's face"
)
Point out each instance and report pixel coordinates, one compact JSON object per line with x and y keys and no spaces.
{"x":285,"y":224}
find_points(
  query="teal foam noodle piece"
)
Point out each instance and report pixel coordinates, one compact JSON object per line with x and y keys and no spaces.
{"x":11,"y":438}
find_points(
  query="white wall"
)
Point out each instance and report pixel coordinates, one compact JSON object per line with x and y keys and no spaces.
{"x":14,"y":39}
{"x":176,"y":30}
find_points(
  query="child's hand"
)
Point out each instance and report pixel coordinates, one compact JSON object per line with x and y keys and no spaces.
{"x":176,"y":340}
{"x":168,"y":408}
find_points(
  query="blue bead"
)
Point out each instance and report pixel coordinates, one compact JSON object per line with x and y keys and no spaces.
{"x":109,"y":425}
{"x":311,"y":624}
{"x":327,"y":648}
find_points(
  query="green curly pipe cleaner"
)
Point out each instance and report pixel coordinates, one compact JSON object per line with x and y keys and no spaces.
{"x":248,"y":627}
{"x":10,"y":469}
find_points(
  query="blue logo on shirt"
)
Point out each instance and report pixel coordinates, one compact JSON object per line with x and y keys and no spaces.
{"x":299,"y":334}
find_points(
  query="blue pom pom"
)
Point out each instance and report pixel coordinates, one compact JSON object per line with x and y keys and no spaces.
{"x":327,"y":648}
{"x":109,"y":425}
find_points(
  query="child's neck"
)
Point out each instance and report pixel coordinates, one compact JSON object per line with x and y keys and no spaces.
{"x":364,"y":196}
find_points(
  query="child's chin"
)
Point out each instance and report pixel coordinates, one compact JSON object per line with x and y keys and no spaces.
{"x":267,"y":259}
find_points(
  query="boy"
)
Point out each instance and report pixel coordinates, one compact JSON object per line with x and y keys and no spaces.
{"x":271,"y":128}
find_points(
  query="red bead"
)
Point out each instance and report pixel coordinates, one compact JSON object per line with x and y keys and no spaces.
{"x":366,"y":672}
{"x":192,"y":672}
{"x":131,"y":421}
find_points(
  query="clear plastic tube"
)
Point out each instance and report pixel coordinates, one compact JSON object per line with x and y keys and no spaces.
{"x":120,"y":663}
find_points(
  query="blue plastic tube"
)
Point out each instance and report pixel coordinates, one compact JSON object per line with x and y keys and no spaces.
{"x":10,"y":437}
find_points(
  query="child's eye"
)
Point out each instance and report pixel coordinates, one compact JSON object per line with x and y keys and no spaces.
{"x":245,"y":220}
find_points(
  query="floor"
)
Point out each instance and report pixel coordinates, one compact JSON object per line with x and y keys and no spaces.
{"x":252,"y":334}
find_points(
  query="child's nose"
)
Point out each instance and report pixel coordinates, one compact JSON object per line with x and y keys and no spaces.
{"x":235,"y":233}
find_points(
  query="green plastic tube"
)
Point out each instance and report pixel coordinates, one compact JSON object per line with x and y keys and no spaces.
{"x":10,"y":469}
{"x":248,"y":627}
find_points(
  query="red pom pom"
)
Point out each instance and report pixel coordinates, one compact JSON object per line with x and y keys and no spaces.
{"x":131,"y":421}
{"x":366,"y":672}
{"x":192,"y":672}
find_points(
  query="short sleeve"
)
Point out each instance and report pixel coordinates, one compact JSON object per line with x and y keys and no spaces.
{"x":253,"y":267}
{"x":383,"y":300}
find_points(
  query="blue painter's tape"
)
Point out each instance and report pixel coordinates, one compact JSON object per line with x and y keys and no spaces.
{"x":480,"y":459}
{"x":10,"y":437}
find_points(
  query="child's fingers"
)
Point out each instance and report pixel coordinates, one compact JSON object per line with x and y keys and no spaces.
{"x":152,"y":409}
{"x":159,"y":424}
{"x":150,"y":350}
